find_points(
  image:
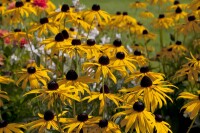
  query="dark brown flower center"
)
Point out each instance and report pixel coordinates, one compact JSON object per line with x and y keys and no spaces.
{"x":144,"y":69}
{"x":198,"y":8}
{"x":178,"y":10}
{"x":118,"y":13}
{"x":138,"y":106}
{"x":53,"y":85}
{"x":146,"y":82}
{"x":65,"y":34}
{"x":120,"y":55}
{"x":28,"y":0}
{"x":31,"y":70}
{"x":95,"y":7}
{"x":44,"y":20}
{"x":161,"y":16}
{"x":125,"y":13}
{"x":91,"y":42}
{"x":137,"y":53}
{"x":48,"y":115}
{"x":178,"y":42}
{"x":17,"y":30}
{"x":19,"y":4}
{"x":65,"y":8}
{"x":145,"y":32}
{"x":106,"y":89}
{"x":169,"y":49}
{"x":176,"y":2}
{"x":103,"y":123}
{"x":0,"y":4}
{"x":59,"y":37}
{"x":104,"y":60}
{"x":191,"y":18}
{"x":76,"y":42}
{"x":71,"y":29}
{"x":117,"y":43}
{"x":82,"y":117}
{"x":199,"y":96}
{"x":71,"y":75}
{"x":158,"y":118}
{"x":3,"y":123}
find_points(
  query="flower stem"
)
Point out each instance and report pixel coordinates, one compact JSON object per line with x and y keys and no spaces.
{"x":56,"y":109}
{"x":104,"y":98}
{"x":190,"y":127}
{"x":161,"y":38}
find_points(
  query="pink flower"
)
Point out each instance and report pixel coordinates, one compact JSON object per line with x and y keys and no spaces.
{"x":40,"y":3}
{"x":23,"y":41}
{"x":6,"y":40}
{"x":11,"y":5}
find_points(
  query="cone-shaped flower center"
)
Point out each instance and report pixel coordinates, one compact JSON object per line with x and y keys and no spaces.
{"x":178,"y":42}
{"x":48,"y":115}
{"x":71,"y":29}
{"x":71,"y":75}
{"x":103,"y":123}
{"x":191,"y":18}
{"x":198,"y":8}
{"x":138,"y":106}
{"x":176,"y":2}
{"x":137,"y":53}
{"x":31,"y":70}
{"x":118,"y":13}
{"x":95,"y":7}
{"x":125,"y":13}
{"x":161,"y":16}
{"x":65,"y":8}
{"x":44,"y":20}
{"x":76,"y":42}
{"x":146,"y":82}
{"x":169,"y":49}
{"x":106,"y":89}
{"x":3,"y":123}
{"x":198,"y":58}
{"x":28,"y":0}
{"x":82,"y":117}
{"x":65,"y":34}
{"x":120,"y":55}
{"x":178,"y":10}
{"x":17,"y":30}
{"x":53,"y":85}
{"x":117,"y":43}
{"x":59,"y":37}
{"x":144,"y":32}
{"x":91,"y":42}
{"x":104,"y":60}
{"x":0,"y":4}
{"x":199,"y":96}
{"x":158,"y":118}
{"x":19,"y":4}
{"x":144,"y":69}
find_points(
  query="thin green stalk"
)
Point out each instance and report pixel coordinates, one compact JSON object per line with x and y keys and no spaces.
{"x":191,"y":124}
{"x":104,"y":98}
{"x":161,"y":38}
{"x":74,"y":108}
{"x":56,"y":109}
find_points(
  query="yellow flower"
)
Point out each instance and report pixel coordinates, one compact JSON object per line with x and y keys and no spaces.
{"x":2,"y":9}
{"x":147,"y":14}
{"x":139,"y":57}
{"x":103,"y":96}
{"x":6,"y":127}
{"x":53,"y":92}
{"x":146,"y":35}
{"x":193,"y":107}
{"x":96,"y":14}
{"x":177,"y":4}
{"x":34,"y":75}
{"x":48,"y":120}
{"x":178,"y":48}
{"x":160,"y":125}
{"x":138,"y":4}
{"x":178,"y":14}
{"x":160,"y":2}
{"x":5,"y":80}
{"x":137,"y":117}
{"x":127,"y":20}
{"x":163,"y":22}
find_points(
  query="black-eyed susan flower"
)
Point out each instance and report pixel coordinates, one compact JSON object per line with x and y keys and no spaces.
{"x":178,"y":14}
{"x":5,"y":80}
{"x":139,"y":57}
{"x":2,"y":9}
{"x":137,"y":28}
{"x":192,"y":108}
{"x":127,"y":20}
{"x":160,"y":125}
{"x":136,"y":117}
{"x":44,"y":26}
{"x":53,"y":92}
{"x":147,"y":14}
{"x":96,"y":14}
{"x":6,"y":127}
{"x":177,"y":4}
{"x":3,"y":95}
{"x":178,"y":48}
{"x":159,"y":2}
{"x":144,"y":71}
{"x":103,"y":95}
{"x":138,"y":4}
{"x":21,"y":9}
{"x":81,"y":121}
{"x":163,"y":22}
{"x":34,"y":75}
{"x":146,"y":35}
{"x":48,"y":120}
{"x":153,"y":92}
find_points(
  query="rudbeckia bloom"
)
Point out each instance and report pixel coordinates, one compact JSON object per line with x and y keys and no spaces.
{"x":103,"y":96}
{"x":163,"y":22}
{"x":147,"y":14}
{"x":96,"y":14}
{"x":160,"y":2}
{"x":138,"y":4}
{"x":153,"y":92}
{"x":139,"y":57}
{"x":48,"y":120}
{"x":193,"y":106}
{"x":34,"y":75}
{"x":178,"y":48}
{"x":53,"y":92}
{"x":178,"y":14}
{"x":2,"y":9}
{"x":127,"y":20}
{"x":160,"y":125}
{"x":44,"y":26}
{"x":5,"y":80}
{"x":21,"y":9}
{"x":137,"y":117}
{"x":177,"y":4}
{"x":147,"y":35}
{"x":81,"y":121}
{"x":6,"y":127}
